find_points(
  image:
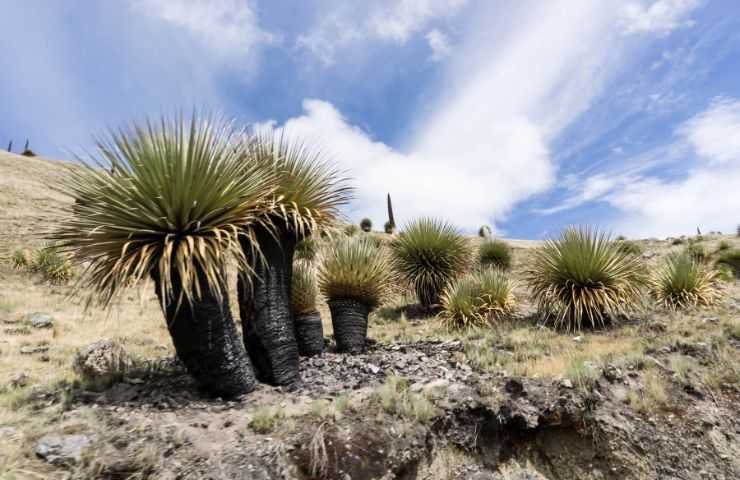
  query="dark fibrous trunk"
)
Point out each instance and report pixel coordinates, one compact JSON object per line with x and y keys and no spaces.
{"x":309,"y":333}
{"x":349,"y":319}
{"x":426,"y":298}
{"x":264,"y":307}
{"x":206,"y":341}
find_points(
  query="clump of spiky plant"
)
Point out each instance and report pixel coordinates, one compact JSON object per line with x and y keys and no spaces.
{"x":354,"y":278}
{"x":52,"y":264}
{"x":429,"y":254}
{"x":308,"y":196}
{"x":19,"y":260}
{"x":304,"y":289}
{"x":683,"y":282}
{"x":477,"y":299}
{"x":630,"y":247}
{"x":582,"y":278}
{"x":171,"y":200}
{"x":731,"y":259}
{"x":354,"y":268}
{"x":389,"y":228}
{"x":366,"y":225}
{"x":484,"y":231}
{"x":495,"y":253}
{"x":306,"y":249}
{"x":698,"y":252}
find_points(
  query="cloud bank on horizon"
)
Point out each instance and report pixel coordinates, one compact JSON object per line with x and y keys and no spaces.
{"x":525,"y":116}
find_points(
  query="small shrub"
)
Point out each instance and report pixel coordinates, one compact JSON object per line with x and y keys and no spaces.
{"x":683,"y":282}
{"x":477,"y":299}
{"x":725,"y":273}
{"x":484,"y":231}
{"x":267,"y":419}
{"x":582,"y":373}
{"x":19,"y":260}
{"x":53,"y":265}
{"x":495,"y":253}
{"x":697,"y":252}
{"x":303,"y":288}
{"x":389,"y":228}
{"x":723,"y":245}
{"x":355,"y":269}
{"x":731,"y":259}
{"x":620,"y":238}
{"x":366,"y":225}
{"x":652,"y":397}
{"x":429,"y":254}
{"x":677,"y":241}
{"x":583,"y":278}
{"x":306,"y":249}
{"x":630,"y":247}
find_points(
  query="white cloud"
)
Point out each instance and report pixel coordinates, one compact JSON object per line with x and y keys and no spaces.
{"x":407,"y":17}
{"x":227,"y":27}
{"x":387,"y":21}
{"x":706,"y":197}
{"x":439,"y":43}
{"x":661,"y":16}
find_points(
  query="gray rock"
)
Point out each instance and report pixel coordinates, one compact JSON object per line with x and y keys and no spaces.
{"x":41,"y":320}
{"x":101,"y":359}
{"x":63,"y":449}
{"x":566,"y":383}
{"x":32,"y":350}
{"x":6,"y":431}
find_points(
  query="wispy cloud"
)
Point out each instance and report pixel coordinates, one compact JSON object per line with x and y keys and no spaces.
{"x":403,"y":18}
{"x":227,"y":27}
{"x":439,"y":43}
{"x":658,"y":16}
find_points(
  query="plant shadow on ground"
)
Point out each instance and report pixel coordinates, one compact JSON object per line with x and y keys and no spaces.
{"x":413,"y":311}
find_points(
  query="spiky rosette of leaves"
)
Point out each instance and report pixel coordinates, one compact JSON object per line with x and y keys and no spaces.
{"x":172,"y":196}
{"x":584,"y":278}
{"x":304,"y":289}
{"x":354,"y":268}
{"x":494,"y":253}
{"x":310,"y":191}
{"x":477,"y":299}
{"x":683,"y":282}
{"x":429,"y":254}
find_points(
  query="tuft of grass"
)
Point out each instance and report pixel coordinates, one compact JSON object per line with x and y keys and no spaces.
{"x":340,"y":405}
{"x":683,"y":282}
{"x":19,"y":260}
{"x":351,"y":229}
{"x":582,"y":373}
{"x":306,"y":249}
{"x":396,"y":399}
{"x":354,"y":268}
{"x":652,"y":397}
{"x":366,"y":225}
{"x":723,"y":245}
{"x":477,"y":299}
{"x":303,"y":288}
{"x":266,"y":419}
{"x":630,"y":247}
{"x":731,"y":259}
{"x":494,"y":253}
{"x":429,"y":254}
{"x":582,"y":278}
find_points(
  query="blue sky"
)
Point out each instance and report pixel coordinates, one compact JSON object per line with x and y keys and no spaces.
{"x":527,"y":116}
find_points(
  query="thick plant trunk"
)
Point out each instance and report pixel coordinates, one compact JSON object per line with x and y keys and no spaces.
{"x":349,"y":318}
{"x":309,"y":333}
{"x":206,"y":341}
{"x":264,"y":307}
{"x":427,"y":299}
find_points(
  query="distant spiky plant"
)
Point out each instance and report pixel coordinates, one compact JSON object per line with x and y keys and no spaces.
{"x":723,"y":245}
{"x":429,"y":254}
{"x":629,"y":247}
{"x":683,"y":282}
{"x":304,"y":289}
{"x":698,"y":252}
{"x":391,"y":223}
{"x":583,"y":278}
{"x":484,"y":231}
{"x":306,"y":249}
{"x":19,"y":260}
{"x":494,"y":253}
{"x":738,"y":230}
{"x":366,"y":225}
{"x":354,"y":268}
{"x":351,"y":229}
{"x":53,"y":265}
{"x":731,"y":258}
{"x":389,"y":228}
{"x":173,"y":200}
{"x":477,"y":299}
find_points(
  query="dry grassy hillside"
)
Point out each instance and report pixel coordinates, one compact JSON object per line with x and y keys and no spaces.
{"x":677,"y":377}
